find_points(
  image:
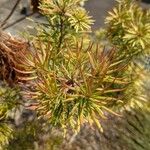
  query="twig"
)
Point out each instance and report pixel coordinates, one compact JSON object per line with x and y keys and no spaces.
{"x":11,"y":13}
{"x":18,"y":20}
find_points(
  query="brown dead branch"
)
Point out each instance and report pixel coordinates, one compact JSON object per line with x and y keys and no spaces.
{"x":11,"y":50}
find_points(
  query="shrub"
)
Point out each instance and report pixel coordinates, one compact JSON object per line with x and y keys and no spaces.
{"x":68,"y":77}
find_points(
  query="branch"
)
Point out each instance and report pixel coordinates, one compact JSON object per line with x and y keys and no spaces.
{"x":11,"y":13}
{"x":19,"y":20}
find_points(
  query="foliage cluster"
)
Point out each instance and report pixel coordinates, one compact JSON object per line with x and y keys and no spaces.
{"x":129,"y":27}
{"x":9,"y":100}
{"x":76,"y":80}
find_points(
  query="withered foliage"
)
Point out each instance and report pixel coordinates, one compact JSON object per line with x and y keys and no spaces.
{"x":12,"y":51}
